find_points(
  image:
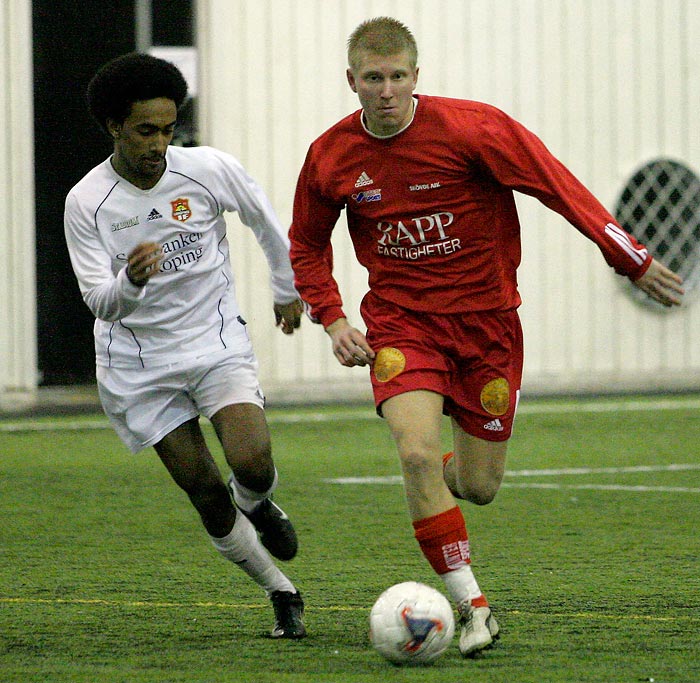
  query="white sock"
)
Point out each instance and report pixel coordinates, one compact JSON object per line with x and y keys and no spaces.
{"x":248,"y":500}
{"x":461,"y":584}
{"x":243,"y":548}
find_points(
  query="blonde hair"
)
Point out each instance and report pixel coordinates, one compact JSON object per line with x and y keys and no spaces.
{"x":381,"y":36}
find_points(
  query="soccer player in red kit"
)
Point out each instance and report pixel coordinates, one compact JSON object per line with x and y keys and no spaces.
{"x":427,"y":185}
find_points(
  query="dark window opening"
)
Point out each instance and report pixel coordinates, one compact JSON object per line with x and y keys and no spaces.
{"x":660,"y":206}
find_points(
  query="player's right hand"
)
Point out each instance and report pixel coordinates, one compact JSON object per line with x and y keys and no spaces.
{"x":144,"y":263}
{"x":288,"y":316}
{"x":349,"y":344}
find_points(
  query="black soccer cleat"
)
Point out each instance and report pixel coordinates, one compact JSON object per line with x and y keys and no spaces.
{"x":289,"y":611}
{"x":276,"y":531}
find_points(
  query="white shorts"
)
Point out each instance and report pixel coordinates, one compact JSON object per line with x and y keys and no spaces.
{"x":145,"y":405}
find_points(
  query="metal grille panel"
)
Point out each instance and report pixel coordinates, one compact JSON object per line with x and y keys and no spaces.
{"x":660,"y":206}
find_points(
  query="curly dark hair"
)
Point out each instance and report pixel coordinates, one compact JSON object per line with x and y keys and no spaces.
{"x":133,"y":77}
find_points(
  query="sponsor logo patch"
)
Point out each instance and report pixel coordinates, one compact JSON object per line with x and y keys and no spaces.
{"x":424,"y":186}
{"x":368,"y":196}
{"x":495,"y":396}
{"x":123,"y":225}
{"x":181,"y":209}
{"x":389,"y":363}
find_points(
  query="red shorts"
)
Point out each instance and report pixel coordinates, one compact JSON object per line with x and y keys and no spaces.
{"x":474,"y":360}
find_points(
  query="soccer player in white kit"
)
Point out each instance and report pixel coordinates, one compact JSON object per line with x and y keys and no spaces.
{"x":147,"y":240}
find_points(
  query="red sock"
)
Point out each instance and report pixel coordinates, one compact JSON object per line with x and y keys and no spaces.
{"x":443,"y":540}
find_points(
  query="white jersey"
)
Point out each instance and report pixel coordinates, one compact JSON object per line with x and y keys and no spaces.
{"x":188,"y":309}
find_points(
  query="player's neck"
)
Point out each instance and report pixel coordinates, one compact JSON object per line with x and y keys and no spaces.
{"x":144,"y":181}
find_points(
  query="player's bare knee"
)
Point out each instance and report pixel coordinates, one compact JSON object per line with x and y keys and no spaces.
{"x":255,"y":469}
{"x":209,"y":498}
{"x":417,"y":463}
{"x":257,"y":481}
{"x":215,"y":507}
{"x":483,"y":496}
{"x":479,"y":493}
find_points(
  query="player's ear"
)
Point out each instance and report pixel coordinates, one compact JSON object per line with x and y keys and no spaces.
{"x":351,"y":80}
{"x":114,"y":128}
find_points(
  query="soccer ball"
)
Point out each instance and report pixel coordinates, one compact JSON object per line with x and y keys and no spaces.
{"x":411,"y":623}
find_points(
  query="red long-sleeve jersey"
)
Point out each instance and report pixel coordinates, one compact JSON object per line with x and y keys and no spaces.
{"x":431,"y":210}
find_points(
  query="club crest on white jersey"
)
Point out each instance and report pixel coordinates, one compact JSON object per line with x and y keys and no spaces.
{"x":181,"y":209}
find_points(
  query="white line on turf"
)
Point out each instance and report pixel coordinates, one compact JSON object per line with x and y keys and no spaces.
{"x":606,"y":487}
{"x":99,"y":602}
{"x":397,"y":479}
{"x":605,"y":470}
{"x":277,"y":416}
{"x":58,"y":425}
{"x":534,"y":485}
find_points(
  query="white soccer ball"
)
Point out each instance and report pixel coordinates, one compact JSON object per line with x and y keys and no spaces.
{"x":411,"y":623}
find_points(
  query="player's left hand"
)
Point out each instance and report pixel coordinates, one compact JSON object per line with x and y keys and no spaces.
{"x":288,"y":316}
{"x":661,"y":284}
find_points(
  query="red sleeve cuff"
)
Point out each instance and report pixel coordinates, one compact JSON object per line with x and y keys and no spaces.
{"x":330,"y":315}
{"x":642,"y":269}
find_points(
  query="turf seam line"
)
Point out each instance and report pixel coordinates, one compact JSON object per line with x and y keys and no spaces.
{"x":332,"y":608}
{"x":535,"y":408}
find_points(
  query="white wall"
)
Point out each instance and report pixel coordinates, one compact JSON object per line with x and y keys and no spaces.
{"x":18,"y":356}
{"x":607,"y":84}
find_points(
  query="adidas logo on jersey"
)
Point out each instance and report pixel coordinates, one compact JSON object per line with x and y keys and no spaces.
{"x":154,"y":215}
{"x":494,"y":426}
{"x":363,"y":180}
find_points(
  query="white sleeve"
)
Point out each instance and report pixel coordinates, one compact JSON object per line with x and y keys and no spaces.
{"x":256,"y":212}
{"x":109,"y":297}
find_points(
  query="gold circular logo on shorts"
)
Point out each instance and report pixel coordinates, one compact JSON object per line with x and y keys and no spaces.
{"x":388,"y":363}
{"x":495,"y":396}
